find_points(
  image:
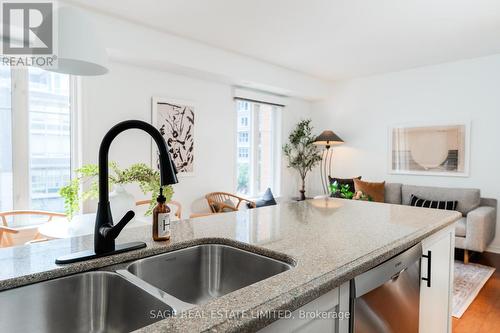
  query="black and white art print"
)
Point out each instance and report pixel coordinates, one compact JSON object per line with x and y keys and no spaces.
{"x":175,"y":120}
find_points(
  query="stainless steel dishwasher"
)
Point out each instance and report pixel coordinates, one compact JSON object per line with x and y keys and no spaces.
{"x":386,"y":299}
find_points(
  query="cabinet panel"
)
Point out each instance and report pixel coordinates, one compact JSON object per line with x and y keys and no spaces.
{"x":435,"y":300}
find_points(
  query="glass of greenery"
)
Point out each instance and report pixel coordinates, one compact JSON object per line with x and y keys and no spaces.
{"x":147,"y":178}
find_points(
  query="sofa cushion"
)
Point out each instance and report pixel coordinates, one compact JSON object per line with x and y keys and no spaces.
{"x":375,"y":191}
{"x":468,"y":199}
{"x":223,"y":207}
{"x":343,"y":181}
{"x":461,"y":227}
{"x":267,"y":199}
{"x":437,"y":204}
{"x":392,"y":193}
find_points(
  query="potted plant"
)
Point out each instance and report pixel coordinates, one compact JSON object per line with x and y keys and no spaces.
{"x":301,"y":152}
{"x":147,"y":178}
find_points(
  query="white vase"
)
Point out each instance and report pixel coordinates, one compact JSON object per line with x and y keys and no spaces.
{"x":121,"y":202}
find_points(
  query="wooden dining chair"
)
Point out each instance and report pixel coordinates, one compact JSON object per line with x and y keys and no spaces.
{"x":226,"y":202}
{"x":176,"y":204}
{"x":6,"y":239}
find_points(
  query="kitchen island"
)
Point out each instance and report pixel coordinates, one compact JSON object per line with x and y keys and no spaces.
{"x":328,"y":242}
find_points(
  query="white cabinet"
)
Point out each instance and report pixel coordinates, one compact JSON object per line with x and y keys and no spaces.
{"x":435,"y":300}
{"x":306,"y":320}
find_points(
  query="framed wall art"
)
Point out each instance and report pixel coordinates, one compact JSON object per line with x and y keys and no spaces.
{"x":436,"y":149}
{"x":175,"y":119}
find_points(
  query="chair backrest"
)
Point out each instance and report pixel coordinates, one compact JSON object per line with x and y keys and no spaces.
{"x":218,"y":202}
{"x":176,"y":204}
{"x":49,"y":215}
{"x":5,"y":236}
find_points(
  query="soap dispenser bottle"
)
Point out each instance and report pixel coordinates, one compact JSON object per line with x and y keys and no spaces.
{"x":161,"y":219}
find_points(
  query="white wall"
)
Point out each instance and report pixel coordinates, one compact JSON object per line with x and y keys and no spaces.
{"x":125,"y":93}
{"x":361,"y":111}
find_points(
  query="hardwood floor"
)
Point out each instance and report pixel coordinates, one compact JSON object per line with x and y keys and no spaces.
{"x":483,"y":315}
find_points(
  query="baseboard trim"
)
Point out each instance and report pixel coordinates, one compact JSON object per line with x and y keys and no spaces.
{"x":493,"y":248}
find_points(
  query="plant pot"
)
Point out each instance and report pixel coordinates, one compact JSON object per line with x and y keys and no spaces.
{"x":121,"y":202}
{"x":302,"y":195}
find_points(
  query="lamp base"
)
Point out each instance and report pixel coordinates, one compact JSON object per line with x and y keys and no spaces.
{"x":326,"y":169}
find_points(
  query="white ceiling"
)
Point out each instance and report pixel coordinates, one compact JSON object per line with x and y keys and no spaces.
{"x":330,"y":39}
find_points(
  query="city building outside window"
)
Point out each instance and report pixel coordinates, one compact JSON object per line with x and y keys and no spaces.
{"x":35,"y":139}
{"x":258,"y":147}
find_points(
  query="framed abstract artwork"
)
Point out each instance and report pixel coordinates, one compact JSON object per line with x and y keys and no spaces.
{"x":175,"y":119}
{"x":435,"y":149}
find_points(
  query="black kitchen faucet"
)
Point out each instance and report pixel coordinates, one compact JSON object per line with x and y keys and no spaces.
{"x":105,"y":231}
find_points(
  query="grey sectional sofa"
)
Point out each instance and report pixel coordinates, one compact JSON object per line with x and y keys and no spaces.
{"x":474,"y":231}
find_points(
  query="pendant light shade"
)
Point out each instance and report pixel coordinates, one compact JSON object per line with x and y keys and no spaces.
{"x":80,"y":49}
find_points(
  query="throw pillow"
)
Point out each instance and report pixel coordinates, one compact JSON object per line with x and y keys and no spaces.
{"x":342,"y":182}
{"x":376,"y":191}
{"x":419,"y":202}
{"x":221,"y":207}
{"x":229,"y":206}
{"x":267,"y":199}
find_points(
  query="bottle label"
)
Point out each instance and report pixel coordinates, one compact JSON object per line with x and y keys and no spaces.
{"x":163,"y":224}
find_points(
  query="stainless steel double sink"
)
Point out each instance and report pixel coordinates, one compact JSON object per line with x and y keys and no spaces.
{"x":146,"y":291}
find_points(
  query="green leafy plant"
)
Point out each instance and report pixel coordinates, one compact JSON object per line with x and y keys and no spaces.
{"x":334,"y":189}
{"x":341,"y":191}
{"x":361,"y":196}
{"x":87,"y":176}
{"x":301,"y":152}
{"x":344,"y":191}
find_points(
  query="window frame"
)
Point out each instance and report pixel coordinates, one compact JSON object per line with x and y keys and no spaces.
{"x":21,"y":183}
{"x":253,"y":146}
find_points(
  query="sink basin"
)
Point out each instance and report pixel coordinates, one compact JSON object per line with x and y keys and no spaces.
{"x":87,"y":302}
{"x":197,"y":274}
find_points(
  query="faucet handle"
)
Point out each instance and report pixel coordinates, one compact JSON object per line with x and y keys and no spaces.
{"x":115,"y":230}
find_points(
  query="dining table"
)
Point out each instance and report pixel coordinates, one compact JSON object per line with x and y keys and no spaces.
{"x":83,"y":224}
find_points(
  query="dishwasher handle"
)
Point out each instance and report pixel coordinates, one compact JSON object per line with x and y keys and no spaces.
{"x":428,"y":256}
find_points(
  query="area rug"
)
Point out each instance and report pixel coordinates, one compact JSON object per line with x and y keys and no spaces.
{"x":469,"y":279}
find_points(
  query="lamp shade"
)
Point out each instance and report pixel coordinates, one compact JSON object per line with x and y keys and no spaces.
{"x":328,"y":138}
{"x":80,"y":50}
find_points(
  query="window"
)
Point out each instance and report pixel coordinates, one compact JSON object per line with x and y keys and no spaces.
{"x":258,"y":147}
{"x":243,"y":137}
{"x":244,"y":120}
{"x":35,"y":146}
{"x":6,"y":195}
{"x":243,"y":154}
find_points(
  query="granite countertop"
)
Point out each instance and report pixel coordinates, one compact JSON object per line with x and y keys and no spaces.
{"x":328,"y":240}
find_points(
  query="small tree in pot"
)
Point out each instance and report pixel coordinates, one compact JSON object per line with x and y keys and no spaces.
{"x":301,"y":152}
